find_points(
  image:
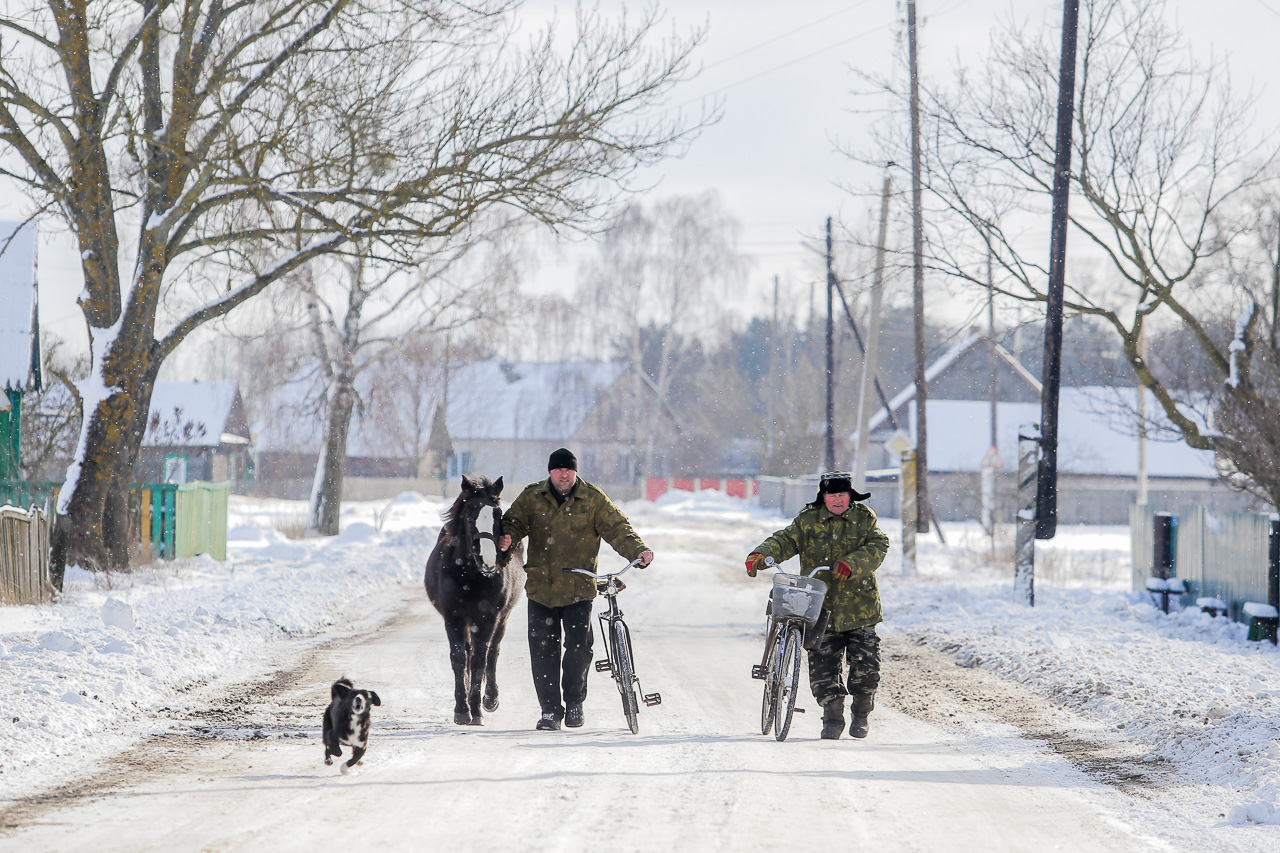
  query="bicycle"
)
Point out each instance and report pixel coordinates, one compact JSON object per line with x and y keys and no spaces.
{"x":795,"y":614}
{"x":619,"y":660}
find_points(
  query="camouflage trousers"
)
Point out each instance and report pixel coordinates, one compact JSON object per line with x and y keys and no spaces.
{"x":860,"y":650}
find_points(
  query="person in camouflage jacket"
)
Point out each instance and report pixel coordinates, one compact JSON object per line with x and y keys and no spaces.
{"x":838,"y":531}
{"x":565,"y":518}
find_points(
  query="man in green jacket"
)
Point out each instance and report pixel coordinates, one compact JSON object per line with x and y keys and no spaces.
{"x":837,"y":531}
{"x":565,"y":518}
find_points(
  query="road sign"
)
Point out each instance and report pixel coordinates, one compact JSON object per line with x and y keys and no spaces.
{"x":992,"y":458}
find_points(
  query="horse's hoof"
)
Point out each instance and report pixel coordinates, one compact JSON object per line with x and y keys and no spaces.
{"x":462,"y":718}
{"x":477,"y":720}
{"x":491,"y":703}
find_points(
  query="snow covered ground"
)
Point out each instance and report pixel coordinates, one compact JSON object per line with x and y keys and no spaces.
{"x":113,"y":660}
{"x":98,"y":670}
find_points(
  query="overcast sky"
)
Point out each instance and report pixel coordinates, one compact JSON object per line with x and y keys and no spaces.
{"x":782,"y":73}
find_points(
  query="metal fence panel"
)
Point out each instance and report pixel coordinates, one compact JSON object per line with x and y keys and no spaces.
{"x":201,"y":526}
{"x":1142,"y":546}
{"x":1218,"y":555}
{"x":25,"y":493}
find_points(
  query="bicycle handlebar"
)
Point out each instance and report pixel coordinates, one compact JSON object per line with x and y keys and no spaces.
{"x":606,"y":575}
{"x":771,"y":564}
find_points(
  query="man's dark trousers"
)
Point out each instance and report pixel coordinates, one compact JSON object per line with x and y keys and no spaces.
{"x":547,"y":627}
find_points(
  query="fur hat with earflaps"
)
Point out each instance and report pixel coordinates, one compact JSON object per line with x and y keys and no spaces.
{"x":838,"y":481}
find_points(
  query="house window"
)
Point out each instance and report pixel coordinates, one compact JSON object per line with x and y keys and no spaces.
{"x":459,"y":464}
{"x":175,"y":468}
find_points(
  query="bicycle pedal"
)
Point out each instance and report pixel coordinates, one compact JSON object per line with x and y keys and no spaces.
{"x":652,"y":699}
{"x":759,"y":672}
{"x":603,"y":666}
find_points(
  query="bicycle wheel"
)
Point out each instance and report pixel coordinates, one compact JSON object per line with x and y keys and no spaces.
{"x":624,"y":673}
{"x":772,"y":661}
{"x":788,"y":683}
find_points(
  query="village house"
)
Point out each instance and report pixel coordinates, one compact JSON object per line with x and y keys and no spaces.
{"x":388,"y":446}
{"x":505,"y":418}
{"x":196,"y":431}
{"x":1098,"y":450}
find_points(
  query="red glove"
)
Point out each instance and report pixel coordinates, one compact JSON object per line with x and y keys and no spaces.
{"x":753,"y":563}
{"x":842,"y":570}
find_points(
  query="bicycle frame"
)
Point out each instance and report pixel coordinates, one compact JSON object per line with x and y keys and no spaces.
{"x":609,"y":585}
{"x":783,"y":633}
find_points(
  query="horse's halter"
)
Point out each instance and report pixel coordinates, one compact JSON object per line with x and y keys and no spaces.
{"x":485,"y":528}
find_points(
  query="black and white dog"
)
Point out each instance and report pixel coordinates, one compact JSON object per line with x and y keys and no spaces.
{"x":347,"y":721}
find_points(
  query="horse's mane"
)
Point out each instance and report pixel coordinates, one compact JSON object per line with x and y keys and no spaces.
{"x":450,"y":514}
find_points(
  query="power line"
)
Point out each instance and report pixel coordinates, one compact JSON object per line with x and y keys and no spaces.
{"x":1268,"y":8}
{"x":787,"y":64}
{"x":784,"y":35}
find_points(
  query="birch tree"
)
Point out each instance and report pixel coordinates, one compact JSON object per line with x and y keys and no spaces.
{"x":358,"y":310}
{"x":201,"y":150}
{"x":652,"y":289}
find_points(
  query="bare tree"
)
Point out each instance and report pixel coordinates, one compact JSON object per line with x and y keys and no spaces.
{"x":1165,"y":161}
{"x":201,"y":150}
{"x":51,"y":421}
{"x":358,"y":310}
{"x":660,"y":271}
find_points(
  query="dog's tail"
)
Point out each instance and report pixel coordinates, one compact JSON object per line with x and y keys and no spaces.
{"x":340,"y":688}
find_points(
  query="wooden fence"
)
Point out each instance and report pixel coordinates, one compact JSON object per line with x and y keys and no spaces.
{"x":24,"y":556}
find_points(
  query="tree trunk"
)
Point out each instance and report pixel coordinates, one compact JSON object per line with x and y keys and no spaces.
{"x":93,"y":529}
{"x":326,"y":490}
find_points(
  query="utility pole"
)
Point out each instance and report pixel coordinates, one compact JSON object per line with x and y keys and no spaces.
{"x":871,"y":358}
{"x":1275,"y":290}
{"x":917,"y":283}
{"x":771,"y":402}
{"x":829,"y":459}
{"x":1047,"y":473}
{"x":1142,"y":422}
{"x":993,"y":455}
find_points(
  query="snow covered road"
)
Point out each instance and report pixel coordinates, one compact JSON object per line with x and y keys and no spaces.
{"x":697,"y":776}
{"x":243,"y":768}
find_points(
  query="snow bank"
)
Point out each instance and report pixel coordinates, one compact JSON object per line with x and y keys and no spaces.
{"x":93,"y":673}
{"x":1188,"y":686}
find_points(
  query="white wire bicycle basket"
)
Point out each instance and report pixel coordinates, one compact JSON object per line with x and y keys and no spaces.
{"x":802,"y":597}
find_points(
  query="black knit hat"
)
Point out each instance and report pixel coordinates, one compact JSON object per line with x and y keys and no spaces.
{"x":562,"y":458}
{"x":838,"y":481}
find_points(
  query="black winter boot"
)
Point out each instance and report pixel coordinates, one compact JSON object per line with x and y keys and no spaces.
{"x":833,"y":719}
{"x":862,"y":707}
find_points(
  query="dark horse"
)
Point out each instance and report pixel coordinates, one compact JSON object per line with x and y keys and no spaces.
{"x":474,"y":585}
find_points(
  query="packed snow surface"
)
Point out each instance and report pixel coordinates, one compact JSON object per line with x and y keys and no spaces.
{"x":102,"y":668}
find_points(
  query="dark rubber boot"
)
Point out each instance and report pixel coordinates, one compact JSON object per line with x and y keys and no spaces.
{"x":833,"y":719}
{"x":862,"y":708}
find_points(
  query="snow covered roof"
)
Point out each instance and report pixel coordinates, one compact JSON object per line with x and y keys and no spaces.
{"x":1095,"y":435}
{"x":190,"y":414}
{"x":18,"y":353}
{"x":293,"y":422}
{"x":941,"y":364}
{"x":525,"y":401}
